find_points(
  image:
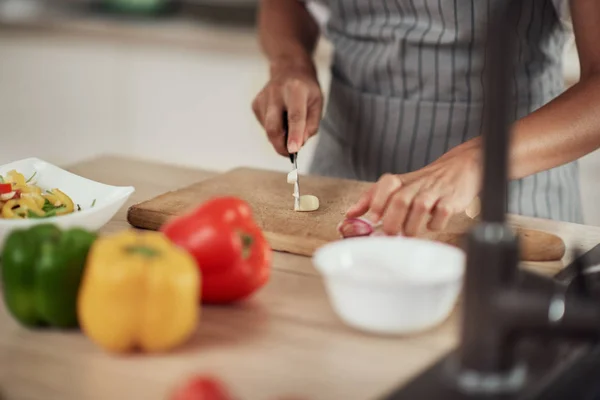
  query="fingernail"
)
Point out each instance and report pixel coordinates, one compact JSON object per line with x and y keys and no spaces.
{"x":293,"y":147}
{"x":353,"y":209}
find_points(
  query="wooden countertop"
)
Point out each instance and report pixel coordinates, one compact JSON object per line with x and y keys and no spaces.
{"x":284,"y":341}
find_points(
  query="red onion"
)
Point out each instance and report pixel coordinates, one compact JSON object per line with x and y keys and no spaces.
{"x":354,"y":227}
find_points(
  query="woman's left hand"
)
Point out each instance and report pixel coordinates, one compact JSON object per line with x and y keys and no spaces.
{"x":424,"y":199}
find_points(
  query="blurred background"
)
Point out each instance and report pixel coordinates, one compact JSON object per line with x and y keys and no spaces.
{"x":170,"y":81}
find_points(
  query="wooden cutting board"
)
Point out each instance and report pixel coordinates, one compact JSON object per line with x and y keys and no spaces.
{"x":302,"y":233}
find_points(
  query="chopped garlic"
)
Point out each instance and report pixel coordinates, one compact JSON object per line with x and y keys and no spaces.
{"x":292,"y":177}
{"x":308,"y":202}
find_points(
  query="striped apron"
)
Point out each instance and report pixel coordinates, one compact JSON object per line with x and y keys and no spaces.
{"x":407,"y":86}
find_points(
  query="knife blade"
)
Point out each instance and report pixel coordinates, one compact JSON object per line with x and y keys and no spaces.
{"x":294,"y":161}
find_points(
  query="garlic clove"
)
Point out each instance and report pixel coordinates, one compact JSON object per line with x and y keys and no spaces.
{"x":292,"y":177}
{"x":308,"y":203}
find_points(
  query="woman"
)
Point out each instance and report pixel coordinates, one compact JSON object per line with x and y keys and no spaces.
{"x":406,"y":100}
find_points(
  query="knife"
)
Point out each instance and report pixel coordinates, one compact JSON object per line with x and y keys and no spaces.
{"x":294,"y":160}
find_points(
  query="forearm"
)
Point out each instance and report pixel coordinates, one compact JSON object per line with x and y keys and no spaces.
{"x":562,"y":131}
{"x":288,"y":33}
{"x":568,"y":127}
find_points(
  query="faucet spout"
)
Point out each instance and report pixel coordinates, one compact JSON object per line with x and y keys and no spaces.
{"x":492,"y":247}
{"x":498,"y":113}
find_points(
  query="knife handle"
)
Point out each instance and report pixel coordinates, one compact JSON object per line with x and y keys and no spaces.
{"x":286,"y":132}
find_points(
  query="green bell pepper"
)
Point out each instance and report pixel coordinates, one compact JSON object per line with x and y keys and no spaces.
{"x":41,"y":271}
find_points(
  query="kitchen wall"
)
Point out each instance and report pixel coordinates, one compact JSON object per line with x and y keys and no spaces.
{"x":66,"y":98}
{"x":60,"y":99}
{"x":182,"y":97}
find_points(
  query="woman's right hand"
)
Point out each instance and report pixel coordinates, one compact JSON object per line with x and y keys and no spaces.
{"x":297,"y":91}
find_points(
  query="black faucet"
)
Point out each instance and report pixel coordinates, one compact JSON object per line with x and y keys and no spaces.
{"x":523,"y":335}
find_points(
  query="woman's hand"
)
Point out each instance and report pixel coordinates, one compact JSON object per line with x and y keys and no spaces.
{"x":294,"y":89}
{"x":425,"y":199}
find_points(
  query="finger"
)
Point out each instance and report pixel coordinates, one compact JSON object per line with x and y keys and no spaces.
{"x":474,"y":208}
{"x":295,"y":97}
{"x":313,"y":119}
{"x":274,"y":126}
{"x":258,"y":107}
{"x":397,"y":210}
{"x":442,"y":212}
{"x":306,"y":137}
{"x":419,"y":212}
{"x":362,"y":205}
{"x":384,"y":189}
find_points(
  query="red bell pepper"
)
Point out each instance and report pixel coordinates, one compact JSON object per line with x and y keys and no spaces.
{"x":5,"y":188}
{"x":201,"y":388}
{"x":230,"y":249}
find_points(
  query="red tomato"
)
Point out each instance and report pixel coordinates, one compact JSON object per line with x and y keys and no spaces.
{"x":201,"y":388}
{"x":214,"y":246}
{"x":230,"y":249}
{"x":231,"y":210}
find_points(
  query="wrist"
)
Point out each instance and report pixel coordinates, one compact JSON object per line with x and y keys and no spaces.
{"x":474,"y":151}
{"x":470,"y":154}
{"x":471,"y":151}
{"x":292,"y":62}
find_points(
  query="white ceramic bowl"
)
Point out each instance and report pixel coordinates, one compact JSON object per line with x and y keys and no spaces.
{"x":108,"y":199}
{"x":391,"y":285}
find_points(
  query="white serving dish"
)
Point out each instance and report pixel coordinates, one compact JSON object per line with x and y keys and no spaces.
{"x":391,"y":285}
{"x":108,"y":199}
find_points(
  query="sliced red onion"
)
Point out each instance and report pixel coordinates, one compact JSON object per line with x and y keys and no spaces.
{"x":354,"y":227}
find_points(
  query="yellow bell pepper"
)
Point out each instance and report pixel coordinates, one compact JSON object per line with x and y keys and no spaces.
{"x":16,"y":178}
{"x":13,"y":209}
{"x":30,"y":189}
{"x":138,"y":292}
{"x":57,"y":198}
{"x":35,"y":197}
